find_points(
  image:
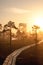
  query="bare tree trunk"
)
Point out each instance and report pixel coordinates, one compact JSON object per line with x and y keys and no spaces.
{"x":10,"y":38}
{"x":36,"y":36}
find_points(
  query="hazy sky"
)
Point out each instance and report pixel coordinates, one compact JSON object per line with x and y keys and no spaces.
{"x":20,"y":11}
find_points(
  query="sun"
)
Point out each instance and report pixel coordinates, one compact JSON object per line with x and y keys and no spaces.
{"x":39,"y":21}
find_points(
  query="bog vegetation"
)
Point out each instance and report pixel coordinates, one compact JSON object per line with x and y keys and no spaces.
{"x":11,"y":40}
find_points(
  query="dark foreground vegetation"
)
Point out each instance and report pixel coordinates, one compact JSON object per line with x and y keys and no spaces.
{"x":31,"y":56}
{"x":6,"y":47}
{"x":22,"y":38}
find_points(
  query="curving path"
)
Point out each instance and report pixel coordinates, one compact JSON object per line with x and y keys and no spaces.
{"x":11,"y":59}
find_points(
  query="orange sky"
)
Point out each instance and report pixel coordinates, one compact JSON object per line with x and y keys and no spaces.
{"x":26,"y":11}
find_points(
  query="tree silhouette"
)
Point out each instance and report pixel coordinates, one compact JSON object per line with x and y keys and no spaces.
{"x":21,"y":33}
{"x":35,"y":28}
{"x":11,"y":25}
{"x":18,"y":34}
{"x":0,"y":29}
{"x":5,"y":30}
{"x":5,"y":27}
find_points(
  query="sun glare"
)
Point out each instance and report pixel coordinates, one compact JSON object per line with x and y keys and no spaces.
{"x":39,"y":22}
{"x":29,"y":23}
{"x":35,"y":21}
